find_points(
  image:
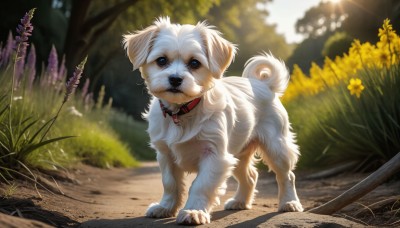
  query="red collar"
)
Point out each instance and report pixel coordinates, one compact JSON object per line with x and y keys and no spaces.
{"x":186,"y":108}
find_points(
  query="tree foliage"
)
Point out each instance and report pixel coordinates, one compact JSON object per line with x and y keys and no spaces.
{"x":243,"y":22}
{"x":336,"y":45}
{"x":90,"y":20}
{"x":357,"y":18}
{"x":309,"y":50}
{"x":321,"y":19}
{"x":365,"y":17}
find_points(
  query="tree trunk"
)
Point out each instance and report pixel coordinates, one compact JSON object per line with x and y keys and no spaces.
{"x":83,"y":32}
{"x":74,"y":42}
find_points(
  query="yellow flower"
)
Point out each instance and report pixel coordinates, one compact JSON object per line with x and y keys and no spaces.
{"x":367,"y":53}
{"x":382,"y":54}
{"x":352,"y":64}
{"x":383,"y":57}
{"x":355,"y":87}
{"x":386,"y":33}
{"x":355,"y":48}
{"x":386,"y":26}
{"x":317,"y":80}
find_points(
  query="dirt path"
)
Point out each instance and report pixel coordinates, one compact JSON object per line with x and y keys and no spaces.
{"x":120,"y":197}
{"x":127,"y":196}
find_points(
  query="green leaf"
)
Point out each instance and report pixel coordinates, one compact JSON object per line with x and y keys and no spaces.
{"x":6,"y":155}
{"x":3,"y":110}
{"x":10,"y":137}
{"x":7,"y":141}
{"x":27,"y":127}
{"x":28,"y":149}
{"x":40,"y":129}
{"x":3,"y":177}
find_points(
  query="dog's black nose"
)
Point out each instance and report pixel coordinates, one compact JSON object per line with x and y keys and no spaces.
{"x":175,"y":81}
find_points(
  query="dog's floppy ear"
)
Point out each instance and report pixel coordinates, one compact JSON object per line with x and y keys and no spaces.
{"x":138,"y":45}
{"x":220,"y":52}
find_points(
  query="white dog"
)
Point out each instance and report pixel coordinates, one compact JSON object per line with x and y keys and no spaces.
{"x":202,"y":122}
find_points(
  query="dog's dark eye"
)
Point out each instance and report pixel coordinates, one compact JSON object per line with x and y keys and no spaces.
{"x":162,"y":61}
{"x":194,"y":64}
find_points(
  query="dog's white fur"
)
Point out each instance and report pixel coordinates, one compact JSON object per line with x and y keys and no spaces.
{"x":236,"y":118}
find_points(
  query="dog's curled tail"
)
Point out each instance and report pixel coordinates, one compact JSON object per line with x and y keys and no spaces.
{"x":269,"y":69}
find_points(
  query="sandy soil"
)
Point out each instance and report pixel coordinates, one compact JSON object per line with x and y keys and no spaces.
{"x":120,"y":197}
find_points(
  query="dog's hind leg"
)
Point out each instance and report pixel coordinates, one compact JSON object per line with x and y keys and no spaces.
{"x":172,"y":179}
{"x":280,"y":153}
{"x":288,"y":199}
{"x":246,"y":175}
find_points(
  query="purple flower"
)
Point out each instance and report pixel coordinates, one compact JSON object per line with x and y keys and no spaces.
{"x":85,"y":88}
{"x":7,"y":50}
{"x":31,"y":66}
{"x":62,"y":72}
{"x":24,"y":30}
{"x":73,"y":82}
{"x":61,"y":75}
{"x":52,"y":66}
{"x":51,"y":73}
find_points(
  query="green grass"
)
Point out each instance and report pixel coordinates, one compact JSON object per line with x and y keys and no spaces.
{"x":94,"y":141}
{"x":97,"y":141}
{"x":134,"y":134}
{"x":335,"y":127}
{"x":97,"y":144}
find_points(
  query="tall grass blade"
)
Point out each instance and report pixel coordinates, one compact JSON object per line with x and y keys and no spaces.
{"x":40,"y":129}
{"x":28,"y":149}
{"x":26,"y":128}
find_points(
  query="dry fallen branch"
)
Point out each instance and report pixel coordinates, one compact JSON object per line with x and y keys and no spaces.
{"x":360,"y":189}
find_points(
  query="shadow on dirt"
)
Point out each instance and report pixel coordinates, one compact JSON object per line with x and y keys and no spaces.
{"x":26,"y":208}
{"x":256,"y":221}
{"x":170,"y":222}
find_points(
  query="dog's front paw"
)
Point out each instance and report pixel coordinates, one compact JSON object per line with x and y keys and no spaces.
{"x":155,"y":210}
{"x":193,"y":217}
{"x":291,"y":206}
{"x":233,"y":204}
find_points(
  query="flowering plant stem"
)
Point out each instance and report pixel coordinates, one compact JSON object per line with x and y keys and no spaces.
{"x":70,"y":88}
{"x":24,"y":30}
{"x":52,"y":122}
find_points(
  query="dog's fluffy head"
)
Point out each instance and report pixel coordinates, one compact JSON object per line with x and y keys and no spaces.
{"x":178,"y":62}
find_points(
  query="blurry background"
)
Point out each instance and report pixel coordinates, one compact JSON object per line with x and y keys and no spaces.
{"x":298,"y":31}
